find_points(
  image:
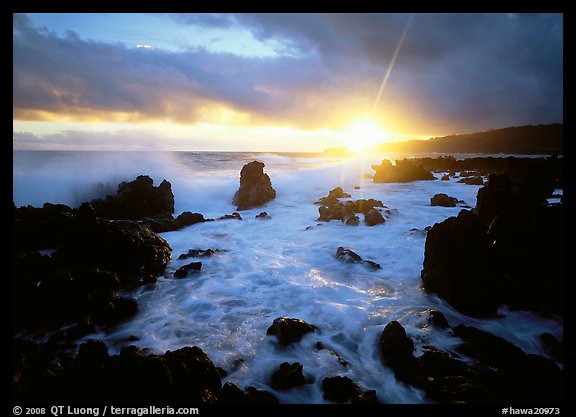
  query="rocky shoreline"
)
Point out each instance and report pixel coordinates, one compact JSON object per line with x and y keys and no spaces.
{"x":69,"y":266}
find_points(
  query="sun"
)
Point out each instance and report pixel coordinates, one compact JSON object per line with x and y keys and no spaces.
{"x":361,"y":134}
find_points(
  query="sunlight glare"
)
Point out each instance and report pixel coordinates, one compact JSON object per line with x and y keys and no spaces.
{"x":363,"y":134}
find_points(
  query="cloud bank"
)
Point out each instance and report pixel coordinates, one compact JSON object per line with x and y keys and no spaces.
{"x":455,"y":73}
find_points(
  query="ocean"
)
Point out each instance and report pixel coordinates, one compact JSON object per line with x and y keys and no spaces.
{"x":285,"y":266}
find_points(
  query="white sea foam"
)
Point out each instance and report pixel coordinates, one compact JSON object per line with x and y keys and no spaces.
{"x":286,"y":266}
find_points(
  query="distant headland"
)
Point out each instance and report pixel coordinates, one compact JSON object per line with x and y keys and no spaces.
{"x":530,"y":139}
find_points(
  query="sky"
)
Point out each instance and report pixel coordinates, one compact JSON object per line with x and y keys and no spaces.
{"x":278,"y":82}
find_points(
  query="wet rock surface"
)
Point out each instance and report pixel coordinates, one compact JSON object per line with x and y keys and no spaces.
{"x":501,"y":373}
{"x":497,"y":250}
{"x":459,"y":265}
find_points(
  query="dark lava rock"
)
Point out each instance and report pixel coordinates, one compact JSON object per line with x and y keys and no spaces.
{"x":256,"y":396}
{"x":371,"y":264}
{"x":443,"y":200}
{"x":263,"y":216}
{"x":552,"y":347}
{"x":93,"y":353}
{"x":338,"y":211}
{"x":441,"y":376}
{"x":94,"y":259}
{"x":187,"y":218}
{"x":345,"y":211}
{"x":351,"y":220}
{"x":338,"y":192}
{"x":232,"y":216}
{"x":518,"y":377}
{"x":499,"y":255}
{"x":458,"y":266}
{"x":445,"y":177}
{"x":333,"y":197}
{"x":289,"y":330}
{"x":496,"y":197}
{"x":518,"y":220}
{"x":231,"y":394}
{"x":365,"y":205}
{"x":339,"y":389}
{"x":192,"y":372}
{"x":137,"y":199}
{"x":117,"y":246}
{"x":472,"y":180}
{"x":397,"y":351}
{"x":348,"y":255}
{"x":182,"y":272}
{"x":288,"y":376}
{"x":438,"y":320}
{"x":255,"y":187}
{"x":199,"y":253}
{"x":404,"y":171}
{"x":492,"y":350}
{"x":448,"y":380}
{"x":169,"y":224}
{"x":373,"y":217}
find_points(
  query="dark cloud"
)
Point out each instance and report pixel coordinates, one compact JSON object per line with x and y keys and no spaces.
{"x":455,"y":72}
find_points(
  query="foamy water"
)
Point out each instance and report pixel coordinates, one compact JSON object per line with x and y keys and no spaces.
{"x":286,"y":266}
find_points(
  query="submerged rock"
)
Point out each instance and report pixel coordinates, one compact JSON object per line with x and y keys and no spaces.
{"x":255,"y":187}
{"x":183,"y":271}
{"x":349,"y":256}
{"x":199,"y":253}
{"x":233,"y":216}
{"x":477,"y":180}
{"x":289,"y":330}
{"x":263,"y":216}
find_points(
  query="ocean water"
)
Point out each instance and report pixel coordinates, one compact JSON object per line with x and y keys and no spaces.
{"x":285,"y":266}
